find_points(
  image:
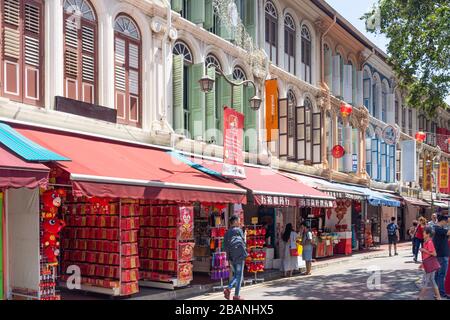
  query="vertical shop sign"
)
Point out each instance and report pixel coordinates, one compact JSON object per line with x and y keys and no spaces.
{"x":408,"y":160}
{"x":271,"y":110}
{"x":233,"y":132}
{"x":443,"y":176}
{"x":427,"y":179}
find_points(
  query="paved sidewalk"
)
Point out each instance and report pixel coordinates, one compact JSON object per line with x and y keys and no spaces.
{"x":196,"y":290}
{"x":269,"y":275}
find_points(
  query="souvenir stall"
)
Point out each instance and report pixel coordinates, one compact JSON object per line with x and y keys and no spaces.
{"x":210,"y":226}
{"x":29,"y":226}
{"x":130,"y":223}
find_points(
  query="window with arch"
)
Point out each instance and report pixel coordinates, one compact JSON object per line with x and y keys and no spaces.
{"x":410,"y":121}
{"x":239,"y":74}
{"x":404,"y":119}
{"x":182,"y":60}
{"x":212,"y":62}
{"x":306,"y":54}
{"x":376,"y":95}
{"x":341,"y":75}
{"x":367,"y":88}
{"x":384,"y":101}
{"x":289,"y":43}
{"x":271,"y":26}
{"x":396,"y":110}
{"x":328,"y":65}
{"x":80,"y":51}
{"x":22,"y":44}
{"x":351,"y":78}
{"x":291,"y":130}
{"x":308,"y":128}
{"x":127,"y":71}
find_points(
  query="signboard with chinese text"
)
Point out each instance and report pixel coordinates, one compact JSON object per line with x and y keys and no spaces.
{"x":233,"y":133}
{"x":272,"y":110}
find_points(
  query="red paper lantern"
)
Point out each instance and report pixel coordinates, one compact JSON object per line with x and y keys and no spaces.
{"x":338,"y":151}
{"x":346,"y":109}
{"x":420,"y":136}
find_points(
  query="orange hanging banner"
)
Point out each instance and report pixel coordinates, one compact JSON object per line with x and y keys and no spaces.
{"x":271,"y":110}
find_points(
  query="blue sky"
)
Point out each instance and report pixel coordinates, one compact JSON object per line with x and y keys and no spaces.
{"x":352,"y":10}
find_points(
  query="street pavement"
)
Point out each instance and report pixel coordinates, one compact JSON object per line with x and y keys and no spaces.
{"x":377,"y":278}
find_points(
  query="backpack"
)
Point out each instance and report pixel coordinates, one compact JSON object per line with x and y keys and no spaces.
{"x":392,"y":229}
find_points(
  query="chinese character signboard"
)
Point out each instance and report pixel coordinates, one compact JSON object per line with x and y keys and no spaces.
{"x":233,"y":132}
{"x":427,"y":178}
{"x":443,"y":176}
{"x":272,"y":110}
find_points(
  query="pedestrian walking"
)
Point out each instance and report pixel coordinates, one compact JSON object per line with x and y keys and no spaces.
{"x":235,"y":247}
{"x":290,"y":260}
{"x":418,"y":237}
{"x":307,"y":252}
{"x":392,"y":229}
{"x":440,"y":240}
{"x":428,"y":252}
{"x":432,"y":223}
{"x":411,"y":232}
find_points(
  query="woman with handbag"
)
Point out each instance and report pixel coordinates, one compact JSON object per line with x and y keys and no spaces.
{"x":307,"y":254}
{"x":430,"y":265}
{"x":290,"y":260}
{"x":418,"y":237}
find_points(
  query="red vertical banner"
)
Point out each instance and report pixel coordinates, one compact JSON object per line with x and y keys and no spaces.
{"x":233,"y":133}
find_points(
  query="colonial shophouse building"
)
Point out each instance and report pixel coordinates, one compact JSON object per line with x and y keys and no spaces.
{"x":129,"y":70}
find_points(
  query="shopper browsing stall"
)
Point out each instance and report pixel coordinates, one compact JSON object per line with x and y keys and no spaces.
{"x":307,"y":252}
{"x":290,"y":261}
{"x":236,"y":250}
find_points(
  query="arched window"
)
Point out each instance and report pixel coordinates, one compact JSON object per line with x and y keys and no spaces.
{"x":308,"y":133}
{"x":211,"y":60}
{"x":404,"y":119}
{"x":306,"y":54}
{"x":289,"y":43}
{"x":352,"y":82}
{"x":127,"y":71}
{"x":239,"y":74}
{"x":384,"y":101}
{"x":328,"y":65}
{"x":291,"y":130}
{"x":180,"y":48}
{"x":367,"y":87}
{"x":396,"y":110}
{"x":22,"y":50}
{"x":376,"y":96}
{"x":80,"y":51}
{"x":182,"y":60}
{"x":271,"y":31}
{"x":341,"y":75}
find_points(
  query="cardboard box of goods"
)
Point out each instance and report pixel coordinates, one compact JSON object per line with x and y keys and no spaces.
{"x":99,"y":271}
{"x":130,"y":288}
{"x":155,"y":211}
{"x":91,"y":221}
{"x":91,"y":257}
{"x":130,"y":262}
{"x":172,"y":233}
{"x":130,"y":275}
{"x":170,"y":266}
{"x":171,"y":243}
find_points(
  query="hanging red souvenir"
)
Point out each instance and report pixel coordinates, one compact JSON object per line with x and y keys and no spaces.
{"x":338,"y":151}
{"x":420,"y":136}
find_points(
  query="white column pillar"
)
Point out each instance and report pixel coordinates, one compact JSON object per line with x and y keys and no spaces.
{"x":54,"y":52}
{"x":106,"y":60}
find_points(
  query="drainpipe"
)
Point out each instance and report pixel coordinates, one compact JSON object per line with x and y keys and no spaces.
{"x":322,"y":58}
{"x":163,"y":113}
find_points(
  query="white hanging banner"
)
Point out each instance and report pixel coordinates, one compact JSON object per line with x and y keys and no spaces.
{"x":408,"y":161}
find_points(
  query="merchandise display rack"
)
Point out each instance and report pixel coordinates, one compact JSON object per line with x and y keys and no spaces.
{"x":102,"y":241}
{"x":256,"y":258}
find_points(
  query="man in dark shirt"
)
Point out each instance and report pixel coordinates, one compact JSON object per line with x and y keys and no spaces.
{"x":440,"y":240}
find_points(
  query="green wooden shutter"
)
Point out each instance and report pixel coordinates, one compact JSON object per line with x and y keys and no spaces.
{"x":250,"y":142}
{"x":224,"y":32}
{"x":238,"y":98}
{"x":223,"y":89}
{"x":250,"y":21}
{"x":197,"y":102}
{"x":209,"y":15}
{"x":177,"y":5}
{"x":197,"y":11}
{"x":178,"y":92}
{"x":211,"y":107}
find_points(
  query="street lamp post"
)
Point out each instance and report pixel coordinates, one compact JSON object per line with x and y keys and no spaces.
{"x":207,"y":84}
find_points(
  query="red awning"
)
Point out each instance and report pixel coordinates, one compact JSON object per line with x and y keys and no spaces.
{"x":107,"y":168}
{"x":17,"y":173}
{"x":416,"y":202}
{"x":271,"y":188}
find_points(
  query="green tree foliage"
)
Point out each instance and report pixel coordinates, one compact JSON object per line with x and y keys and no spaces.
{"x":419,"y":47}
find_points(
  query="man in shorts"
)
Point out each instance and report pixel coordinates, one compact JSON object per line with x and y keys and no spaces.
{"x":392,"y":229}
